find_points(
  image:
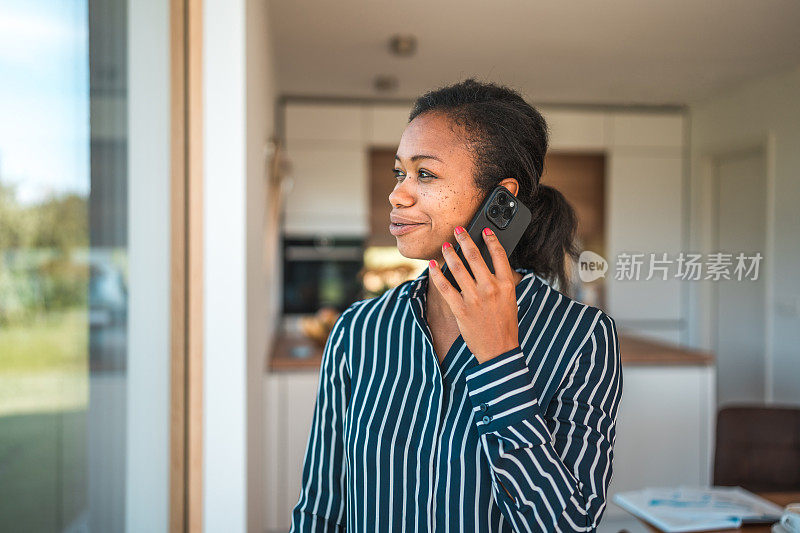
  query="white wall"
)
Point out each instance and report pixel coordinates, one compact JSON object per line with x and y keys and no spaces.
{"x":237,"y":120}
{"x":764,"y":113}
{"x":262,"y":271}
{"x":224,"y":254}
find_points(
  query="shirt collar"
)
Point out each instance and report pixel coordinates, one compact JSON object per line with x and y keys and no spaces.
{"x":418,"y":286}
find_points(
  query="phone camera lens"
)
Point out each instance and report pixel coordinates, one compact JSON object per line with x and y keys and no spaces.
{"x":494,"y":211}
{"x":501,"y":198}
{"x":507,"y":213}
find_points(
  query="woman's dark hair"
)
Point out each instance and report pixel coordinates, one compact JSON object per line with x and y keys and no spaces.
{"x":508,"y":138}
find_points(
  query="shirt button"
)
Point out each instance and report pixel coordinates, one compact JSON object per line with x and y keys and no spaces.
{"x":484,"y":407}
{"x":486,"y":419}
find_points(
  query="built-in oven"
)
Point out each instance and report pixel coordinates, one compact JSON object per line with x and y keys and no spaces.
{"x":323,"y":271}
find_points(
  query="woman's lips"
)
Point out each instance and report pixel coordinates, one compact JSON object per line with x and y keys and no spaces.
{"x":402,"y":229}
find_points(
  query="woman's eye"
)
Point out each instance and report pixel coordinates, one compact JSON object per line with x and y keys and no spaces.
{"x":422,"y":174}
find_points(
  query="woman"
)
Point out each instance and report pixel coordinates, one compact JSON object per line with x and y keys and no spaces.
{"x":492,"y":409}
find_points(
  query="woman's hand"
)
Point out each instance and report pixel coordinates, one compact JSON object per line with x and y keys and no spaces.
{"x":486,"y":309}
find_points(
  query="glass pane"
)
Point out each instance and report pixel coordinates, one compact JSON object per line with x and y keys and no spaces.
{"x":63,"y":265}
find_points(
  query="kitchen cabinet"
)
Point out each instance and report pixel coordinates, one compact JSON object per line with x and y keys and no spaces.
{"x":328,"y":194}
{"x":289,"y":404}
{"x":328,"y":148}
{"x":577,"y":131}
{"x":328,"y":169}
{"x":644,"y":213}
{"x":665,"y":428}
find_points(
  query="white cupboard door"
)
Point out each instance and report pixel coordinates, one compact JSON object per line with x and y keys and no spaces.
{"x":289,"y":411}
{"x":663,"y":433}
{"x":644,"y":217}
{"x":299,"y":398}
{"x":328,"y":193}
{"x":577,"y":130}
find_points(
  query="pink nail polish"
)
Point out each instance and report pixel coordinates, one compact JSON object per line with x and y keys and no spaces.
{"x":459,"y":229}
{"x":446,"y":245}
{"x":432,"y":263}
{"x":487,"y":231}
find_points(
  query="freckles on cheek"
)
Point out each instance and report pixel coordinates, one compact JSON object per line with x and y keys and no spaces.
{"x":446,"y":203}
{"x":452,"y":205}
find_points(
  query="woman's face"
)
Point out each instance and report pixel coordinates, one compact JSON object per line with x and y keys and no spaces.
{"x":435,"y":188}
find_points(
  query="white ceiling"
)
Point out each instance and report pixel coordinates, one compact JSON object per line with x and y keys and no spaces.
{"x":555,"y":51}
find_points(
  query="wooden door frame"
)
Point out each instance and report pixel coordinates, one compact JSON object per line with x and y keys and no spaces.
{"x":186,"y":298}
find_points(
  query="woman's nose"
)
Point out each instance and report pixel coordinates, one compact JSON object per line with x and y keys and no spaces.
{"x":401,"y":195}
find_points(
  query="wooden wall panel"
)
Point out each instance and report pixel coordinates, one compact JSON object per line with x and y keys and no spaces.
{"x":381,"y":184}
{"x":581,"y":179}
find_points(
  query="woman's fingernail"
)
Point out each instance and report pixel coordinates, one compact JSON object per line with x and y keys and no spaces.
{"x":459,"y":229}
{"x":487,"y":231}
{"x":433,"y":263}
{"x":446,"y":245}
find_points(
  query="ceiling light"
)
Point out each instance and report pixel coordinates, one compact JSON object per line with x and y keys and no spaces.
{"x":385,"y":83}
{"x":403,"y":45}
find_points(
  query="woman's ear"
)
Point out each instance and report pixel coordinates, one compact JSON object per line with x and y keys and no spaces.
{"x":511,"y":184}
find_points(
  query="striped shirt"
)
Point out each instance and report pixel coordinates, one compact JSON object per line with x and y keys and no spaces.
{"x":521,"y":442}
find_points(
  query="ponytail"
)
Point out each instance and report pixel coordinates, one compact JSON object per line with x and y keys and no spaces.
{"x":549,"y":242}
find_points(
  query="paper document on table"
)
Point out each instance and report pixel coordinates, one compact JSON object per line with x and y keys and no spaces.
{"x":676,"y":509}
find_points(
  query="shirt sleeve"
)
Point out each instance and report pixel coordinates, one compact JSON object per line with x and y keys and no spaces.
{"x":550,"y":470}
{"x":322,"y":504}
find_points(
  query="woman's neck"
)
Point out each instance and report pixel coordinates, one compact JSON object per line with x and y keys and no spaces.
{"x":436,"y":303}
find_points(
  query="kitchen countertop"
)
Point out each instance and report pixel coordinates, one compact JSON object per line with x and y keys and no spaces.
{"x":635,"y":351}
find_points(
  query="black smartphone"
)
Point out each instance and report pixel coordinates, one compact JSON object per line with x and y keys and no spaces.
{"x":506,"y":216}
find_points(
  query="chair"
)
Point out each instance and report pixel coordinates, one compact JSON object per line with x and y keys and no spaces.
{"x":758,"y":448}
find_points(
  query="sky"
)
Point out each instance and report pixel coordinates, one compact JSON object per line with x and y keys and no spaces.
{"x":44,"y":97}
